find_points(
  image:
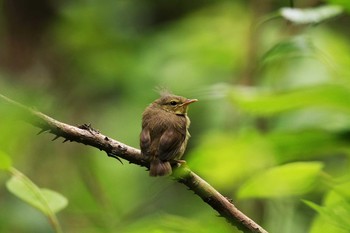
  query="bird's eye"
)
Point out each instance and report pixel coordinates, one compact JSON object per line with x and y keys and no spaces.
{"x":173,"y":103}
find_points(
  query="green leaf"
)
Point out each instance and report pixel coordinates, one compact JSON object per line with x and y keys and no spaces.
{"x":286,"y":180}
{"x":224,"y":154}
{"x":334,"y":214}
{"x":311,"y":15}
{"x":56,"y":201}
{"x":5,"y":161}
{"x":336,"y":96}
{"x":294,"y":47}
{"x":47,"y":201}
{"x":337,"y":214}
{"x":292,"y":145}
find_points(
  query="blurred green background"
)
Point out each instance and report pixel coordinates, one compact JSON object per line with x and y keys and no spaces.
{"x":271,"y":129}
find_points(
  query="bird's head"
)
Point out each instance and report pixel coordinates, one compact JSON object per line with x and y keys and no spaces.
{"x":174,"y":104}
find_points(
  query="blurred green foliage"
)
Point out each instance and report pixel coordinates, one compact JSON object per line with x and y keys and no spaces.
{"x":271,"y":129}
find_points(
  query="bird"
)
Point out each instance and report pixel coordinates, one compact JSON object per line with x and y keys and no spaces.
{"x":164,"y":134}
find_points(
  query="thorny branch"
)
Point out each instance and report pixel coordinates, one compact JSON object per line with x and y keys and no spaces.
{"x":87,"y":135}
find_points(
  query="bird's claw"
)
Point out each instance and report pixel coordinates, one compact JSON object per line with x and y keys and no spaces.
{"x":180,"y":162}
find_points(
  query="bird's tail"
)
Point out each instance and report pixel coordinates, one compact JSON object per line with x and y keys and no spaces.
{"x":159,"y":168}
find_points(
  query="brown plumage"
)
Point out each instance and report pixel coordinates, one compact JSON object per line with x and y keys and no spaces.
{"x":164,"y":134}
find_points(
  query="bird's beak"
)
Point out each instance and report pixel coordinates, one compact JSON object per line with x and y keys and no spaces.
{"x":189,"y":101}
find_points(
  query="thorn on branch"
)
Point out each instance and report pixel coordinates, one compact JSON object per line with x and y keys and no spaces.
{"x":89,"y":128}
{"x":229,"y":200}
{"x":55,"y":138}
{"x":122,"y":148}
{"x":42,"y":131}
{"x":114,"y":156}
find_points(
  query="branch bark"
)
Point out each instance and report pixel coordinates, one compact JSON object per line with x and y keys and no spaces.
{"x":88,"y":136}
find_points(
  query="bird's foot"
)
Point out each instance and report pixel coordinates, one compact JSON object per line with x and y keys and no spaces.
{"x":180,"y":162}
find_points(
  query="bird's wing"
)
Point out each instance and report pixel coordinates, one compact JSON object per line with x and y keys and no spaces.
{"x":145,"y":141}
{"x":170,"y":143}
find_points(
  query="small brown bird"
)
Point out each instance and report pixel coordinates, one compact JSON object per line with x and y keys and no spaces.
{"x":164,"y":134}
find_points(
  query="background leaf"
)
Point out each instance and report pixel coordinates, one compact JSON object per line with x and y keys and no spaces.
{"x":291,"y":48}
{"x":223,"y":156}
{"x":282,"y":181}
{"x":56,"y":201}
{"x":332,"y":96}
{"x":334,"y":213}
{"x":337,"y":214}
{"x":313,"y":15}
{"x":45,"y":200}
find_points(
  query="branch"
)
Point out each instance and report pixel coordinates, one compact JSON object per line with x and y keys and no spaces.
{"x":88,"y":136}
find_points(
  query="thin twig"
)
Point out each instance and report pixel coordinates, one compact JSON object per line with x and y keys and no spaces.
{"x":116,"y":149}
